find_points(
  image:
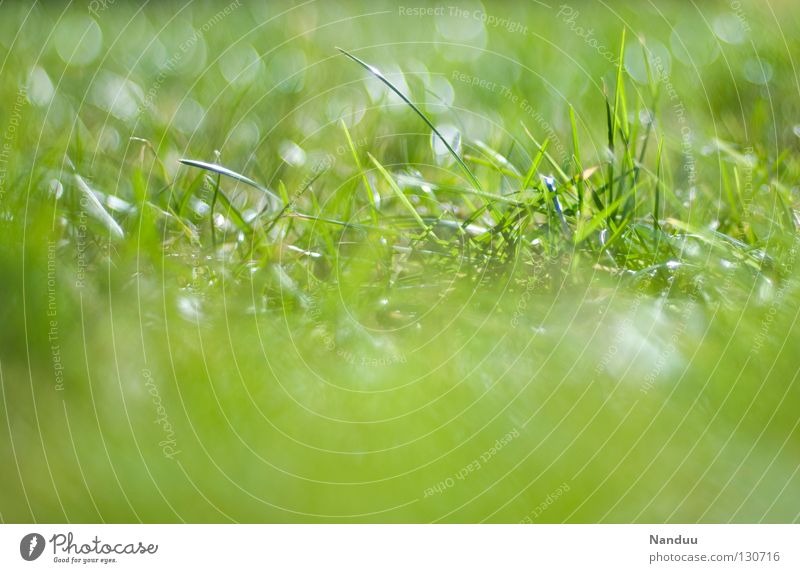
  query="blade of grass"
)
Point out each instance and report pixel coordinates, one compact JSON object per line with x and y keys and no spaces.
{"x":364,"y":178}
{"x":348,"y":225}
{"x":378,"y":74}
{"x":728,"y":188}
{"x":577,"y":158}
{"x":94,"y":206}
{"x":746,"y":227}
{"x":612,"y":117}
{"x":616,"y":234}
{"x":619,"y":95}
{"x":192,"y":189}
{"x":401,"y":196}
{"x":219,"y":169}
{"x":535,"y":165}
{"x":549,"y":184}
{"x":657,"y":198}
{"x":599,"y":218}
{"x":408,"y":180}
{"x":232,"y":211}
{"x":553,"y":163}
{"x":610,"y":176}
{"x":286,"y":206}
{"x":784,"y":197}
{"x":491,"y":165}
{"x":148,"y":145}
{"x":725,"y":243}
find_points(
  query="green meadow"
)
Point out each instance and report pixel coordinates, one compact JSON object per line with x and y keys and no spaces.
{"x":360,"y":262}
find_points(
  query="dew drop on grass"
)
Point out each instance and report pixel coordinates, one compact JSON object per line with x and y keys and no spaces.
{"x":693,"y":44}
{"x":154,"y":55}
{"x":78,"y":40}
{"x":453,"y":137}
{"x":729,"y":28}
{"x":199,"y":207}
{"x":439,"y":95}
{"x":460,"y":29}
{"x":646,"y":117}
{"x":180,"y":49}
{"x":461,"y":25}
{"x":757,"y":71}
{"x":119,"y":96}
{"x":657,"y":56}
{"x":288,"y":70}
{"x":348,"y":105}
{"x":190,"y":45}
{"x":241,"y":65}
{"x":245,"y":133}
{"x":109,"y":139}
{"x":55,"y":189}
{"x":292,"y":153}
{"x":188,"y":116}
{"x":40,"y":88}
{"x":395,"y":75}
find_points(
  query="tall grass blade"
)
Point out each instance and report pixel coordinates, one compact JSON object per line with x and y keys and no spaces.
{"x":535,"y":165}
{"x":367,"y":186}
{"x":657,"y":199}
{"x":619,"y":90}
{"x":378,"y":74}
{"x":577,"y":158}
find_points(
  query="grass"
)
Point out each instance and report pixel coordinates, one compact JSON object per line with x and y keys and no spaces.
{"x":248,"y":277}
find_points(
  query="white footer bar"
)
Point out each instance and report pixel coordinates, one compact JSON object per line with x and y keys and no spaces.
{"x":406,"y":548}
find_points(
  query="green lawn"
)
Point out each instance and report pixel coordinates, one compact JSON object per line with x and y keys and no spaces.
{"x":503,"y":262}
